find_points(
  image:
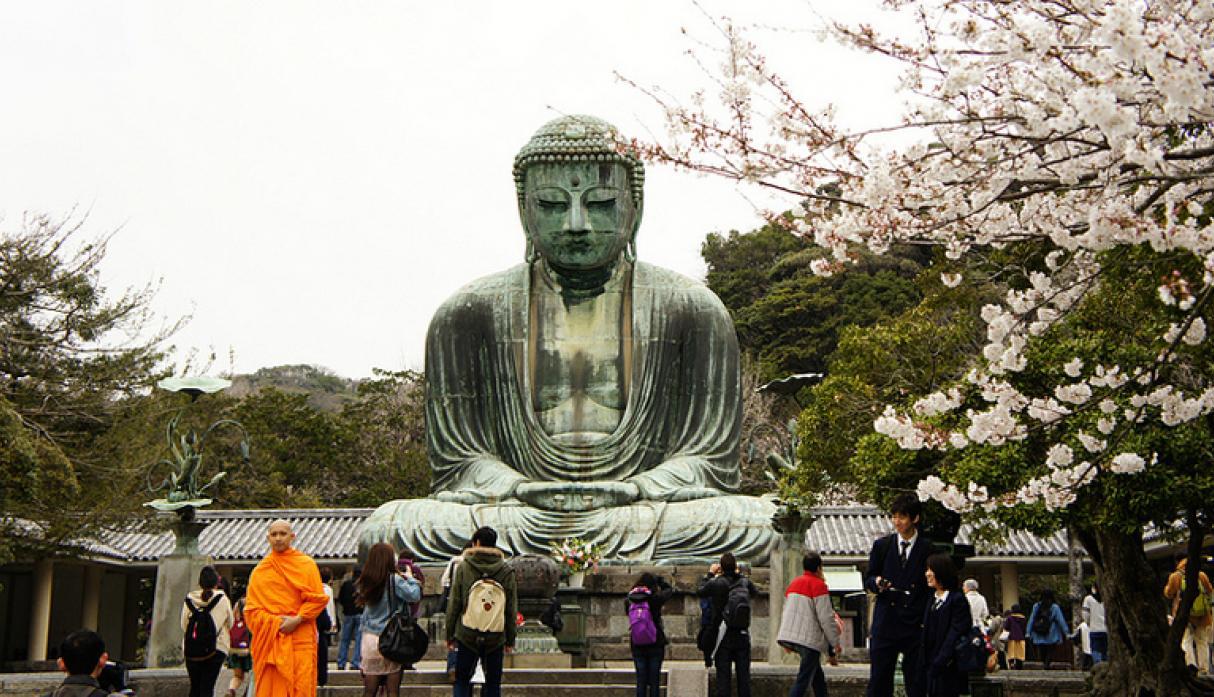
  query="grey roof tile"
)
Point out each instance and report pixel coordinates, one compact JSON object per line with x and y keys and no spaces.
{"x":235,"y":536}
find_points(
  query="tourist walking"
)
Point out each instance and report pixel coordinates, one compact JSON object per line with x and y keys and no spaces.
{"x":707,"y":635}
{"x":1196,"y":640}
{"x":349,"y":641}
{"x":239,"y":661}
{"x":896,"y":567}
{"x":730,"y":593}
{"x":284,"y":599}
{"x":1081,"y":639}
{"x":444,"y":598}
{"x":996,"y":634}
{"x":1016,"y":626}
{"x":946,"y":622}
{"x":1098,"y":629}
{"x":481,"y":613}
{"x":206,"y":620}
{"x":1047,"y":627}
{"x":382,"y":590}
{"x":978,"y":608}
{"x":646,"y":633}
{"x":326,"y":622}
{"x":807,"y":626}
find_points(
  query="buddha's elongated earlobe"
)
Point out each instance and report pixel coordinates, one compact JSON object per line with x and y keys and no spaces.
{"x":630,"y":252}
{"x":532,"y":255}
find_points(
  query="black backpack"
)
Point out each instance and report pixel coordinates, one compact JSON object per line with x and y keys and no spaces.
{"x":737,"y":605}
{"x":1043,"y":620}
{"x":971,"y":652}
{"x":200,"y":634}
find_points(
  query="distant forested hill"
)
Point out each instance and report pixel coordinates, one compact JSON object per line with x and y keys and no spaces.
{"x":326,"y":390}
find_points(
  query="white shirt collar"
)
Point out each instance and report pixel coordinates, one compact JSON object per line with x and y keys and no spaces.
{"x":912,"y":541}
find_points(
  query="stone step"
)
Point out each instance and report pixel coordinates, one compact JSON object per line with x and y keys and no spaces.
{"x":510,"y":676}
{"x":508,"y":690}
{"x":623,"y":652}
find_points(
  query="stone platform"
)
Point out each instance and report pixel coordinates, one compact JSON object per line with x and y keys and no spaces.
{"x":596,"y":623}
{"x":680,"y":679}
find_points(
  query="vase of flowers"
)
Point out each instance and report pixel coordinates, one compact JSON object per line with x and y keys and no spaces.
{"x":575,"y":556}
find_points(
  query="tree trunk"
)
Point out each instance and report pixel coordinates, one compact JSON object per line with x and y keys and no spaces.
{"x":1144,"y":661}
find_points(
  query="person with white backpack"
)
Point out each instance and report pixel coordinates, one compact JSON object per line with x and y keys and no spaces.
{"x":481,"y":609}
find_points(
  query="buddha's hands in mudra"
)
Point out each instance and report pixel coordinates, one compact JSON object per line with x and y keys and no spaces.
{"x":576,"y":496}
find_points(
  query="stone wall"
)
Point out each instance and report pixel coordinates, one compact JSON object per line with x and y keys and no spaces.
{"x":606,"y":621}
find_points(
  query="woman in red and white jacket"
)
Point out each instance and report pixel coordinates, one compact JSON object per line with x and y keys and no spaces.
{"x":808,"y":626}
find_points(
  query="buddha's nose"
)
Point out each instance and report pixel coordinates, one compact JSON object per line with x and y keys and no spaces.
{"x":576,"y":222}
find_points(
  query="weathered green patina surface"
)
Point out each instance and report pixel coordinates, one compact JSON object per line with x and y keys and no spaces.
{"x":582,"y":393}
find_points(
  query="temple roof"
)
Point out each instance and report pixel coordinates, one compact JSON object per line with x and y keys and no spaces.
{"x":849,"y":531}
{"x":840,"y":533}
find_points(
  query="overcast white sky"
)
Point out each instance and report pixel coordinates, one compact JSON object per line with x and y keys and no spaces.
{"x":310,"y":180}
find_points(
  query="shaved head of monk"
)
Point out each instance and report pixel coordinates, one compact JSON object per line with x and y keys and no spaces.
{"x":280,"y":535}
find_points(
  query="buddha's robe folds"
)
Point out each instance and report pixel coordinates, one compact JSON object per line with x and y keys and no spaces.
{"x":677,"y":440}
{"x":284,"y":584}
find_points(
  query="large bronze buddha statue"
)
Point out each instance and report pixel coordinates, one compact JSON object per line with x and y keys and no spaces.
{"x":582,"y":393}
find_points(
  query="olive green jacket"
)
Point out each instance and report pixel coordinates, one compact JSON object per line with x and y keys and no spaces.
{"x":480,"y":562}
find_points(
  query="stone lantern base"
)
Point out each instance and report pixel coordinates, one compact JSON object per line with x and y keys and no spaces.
{"x":176,"y":576}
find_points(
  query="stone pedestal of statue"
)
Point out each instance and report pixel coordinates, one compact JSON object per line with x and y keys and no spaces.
{"x":176,"y":576}
{"x":535,"y":645}
{"x":785,"y":566}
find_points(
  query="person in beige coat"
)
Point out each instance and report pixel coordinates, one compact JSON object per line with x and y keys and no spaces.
{"x":204,"y":669}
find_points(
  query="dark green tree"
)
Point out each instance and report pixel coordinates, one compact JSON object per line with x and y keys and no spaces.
{"x":386,"y":440}
{"x":787,"y":318}
{"x":70,"y":353}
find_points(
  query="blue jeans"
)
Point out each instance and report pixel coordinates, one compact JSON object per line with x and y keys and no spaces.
{"x":1100,"y":646}
{"x":351,"y":632}
{"x":649,"y":672}
{"x":809,"y":673}
{"x":465,"y":666}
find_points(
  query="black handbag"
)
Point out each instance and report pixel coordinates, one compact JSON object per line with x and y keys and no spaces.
{"x":402,"y":640}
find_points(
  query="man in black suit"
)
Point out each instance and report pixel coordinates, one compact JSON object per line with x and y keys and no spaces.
{"x":896,"y":568}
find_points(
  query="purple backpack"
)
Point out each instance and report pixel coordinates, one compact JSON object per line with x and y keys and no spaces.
{"x":640,"y":619}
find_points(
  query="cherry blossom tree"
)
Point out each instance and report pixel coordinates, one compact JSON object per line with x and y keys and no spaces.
{"x":1078,"y":134}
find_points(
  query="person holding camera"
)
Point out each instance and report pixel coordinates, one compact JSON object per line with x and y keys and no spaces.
{"x":896,"y":572}
{"x":730,"y":593}
{"x":83,"y":657}
{"x":382,"y":591}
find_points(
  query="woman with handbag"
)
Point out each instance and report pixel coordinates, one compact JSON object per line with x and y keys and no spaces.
{"x":382,"y":592}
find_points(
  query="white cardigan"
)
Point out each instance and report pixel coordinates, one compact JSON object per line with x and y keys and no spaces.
{"x":221,"y":614}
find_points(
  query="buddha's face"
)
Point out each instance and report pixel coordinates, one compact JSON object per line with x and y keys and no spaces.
{"x":579,"y":215}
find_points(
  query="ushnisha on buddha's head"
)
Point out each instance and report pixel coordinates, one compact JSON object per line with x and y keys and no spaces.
{"x":580,"y":196}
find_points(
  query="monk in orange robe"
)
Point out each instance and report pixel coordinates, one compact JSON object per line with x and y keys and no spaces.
{"x":285,"y":596}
